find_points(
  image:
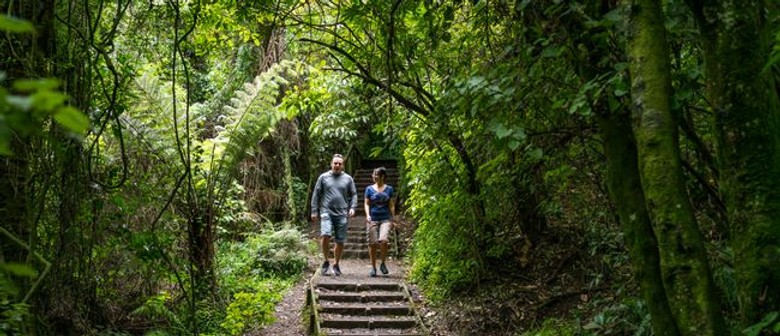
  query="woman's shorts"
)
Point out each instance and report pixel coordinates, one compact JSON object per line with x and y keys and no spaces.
{"x":378,"y":231}
{"x":328,"y":221}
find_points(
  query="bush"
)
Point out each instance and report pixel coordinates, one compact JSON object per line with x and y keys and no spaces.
{"x":253,"y":274}
{"x":251,"y":309}
{"x":281,"y":254}
{"x":553,"y":327}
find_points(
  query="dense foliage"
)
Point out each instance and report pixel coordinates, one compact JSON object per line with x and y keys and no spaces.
{"x":157,"y":156}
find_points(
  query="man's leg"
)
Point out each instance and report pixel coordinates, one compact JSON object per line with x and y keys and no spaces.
{"x":339,"y":249}
{"x":326,"y":248}
{"x":340,"y":234}
{"x":326,"y":230}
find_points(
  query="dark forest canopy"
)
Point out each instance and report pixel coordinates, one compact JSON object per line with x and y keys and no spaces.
{"x":156,"y":156}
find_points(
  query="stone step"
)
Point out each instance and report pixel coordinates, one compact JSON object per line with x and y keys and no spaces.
{"x":353,"y":322}
{"x":354,"y":254}
{"x":366,"y":310}
{"x":371,"y":296}
{"x":372,"y":332}
{"x":359,"y":287}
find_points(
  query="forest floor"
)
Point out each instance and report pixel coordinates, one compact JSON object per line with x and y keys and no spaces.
{"x":561,"y":282}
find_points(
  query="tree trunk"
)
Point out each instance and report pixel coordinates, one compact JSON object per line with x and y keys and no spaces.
{"x":626,"y":192}
{"x":684,"y":267}
{"x":747,"y":120}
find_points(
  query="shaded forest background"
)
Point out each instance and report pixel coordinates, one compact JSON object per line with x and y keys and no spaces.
{"x":618,"y":161}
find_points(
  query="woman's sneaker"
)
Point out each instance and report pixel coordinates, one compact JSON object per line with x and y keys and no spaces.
{"x":372,"y":273}
{"x":336,"y":270}
{"x":383,"y":268}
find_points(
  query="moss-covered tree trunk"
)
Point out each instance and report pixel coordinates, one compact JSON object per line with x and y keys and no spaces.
{"x":737,"y":41}
{"x":622,"y":177}
{"x":626,"y":193}
{"x":684,"y":267}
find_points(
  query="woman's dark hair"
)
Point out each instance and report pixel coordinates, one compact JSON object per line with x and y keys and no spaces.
{"x":380,"y":172}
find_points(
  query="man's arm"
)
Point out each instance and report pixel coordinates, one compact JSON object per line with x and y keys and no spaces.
{"x":353,"y":197}
{"x":315,"y":199}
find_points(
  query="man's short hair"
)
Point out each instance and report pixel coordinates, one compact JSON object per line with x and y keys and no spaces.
{"x":338,"y":156}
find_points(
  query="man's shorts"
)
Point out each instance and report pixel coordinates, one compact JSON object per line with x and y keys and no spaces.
{"x":378,"y":231}
{"x":327,"y":222}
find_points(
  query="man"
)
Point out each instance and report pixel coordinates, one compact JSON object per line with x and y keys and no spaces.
{"x":334,"y":200}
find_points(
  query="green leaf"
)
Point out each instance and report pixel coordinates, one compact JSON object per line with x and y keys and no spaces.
{"x":48,"y":100}
{"x":72,"y":119}
{"x":14,"y":25}
{"x":513,"y":144}
{"x":19,"y":269}
{"x":614,"y":16}
{"x":551,"y":51}
{"x":28,"y":85}
{"x":23,"y":103}
{"x":537,"y":153}
{"x":499,"y":129}
{"x":622,"y":66}
{"x":613,"y":103}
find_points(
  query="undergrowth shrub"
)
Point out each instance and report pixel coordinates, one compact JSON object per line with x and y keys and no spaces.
{"x":253,"y":274}
{"x":445,"y":253}
{"x":553,"y":327}
{"x":155,"y":309}
{"x":630,"y":317}
{"x":281,"y":254}
{"x":253,"y":309}
{"x":13,"y":313}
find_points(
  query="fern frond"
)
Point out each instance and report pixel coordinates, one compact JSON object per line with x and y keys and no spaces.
{"x":252,"y":114}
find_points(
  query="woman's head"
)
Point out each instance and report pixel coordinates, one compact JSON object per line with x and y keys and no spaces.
{"x":379,"y":174}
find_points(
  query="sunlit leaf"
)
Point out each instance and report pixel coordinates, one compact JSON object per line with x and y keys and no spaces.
{"x":19,"y":269}
{"x":15,"y":25}
{"x":28,"y":85}
{"x":72,"y":119}
{"x":48,"y":100}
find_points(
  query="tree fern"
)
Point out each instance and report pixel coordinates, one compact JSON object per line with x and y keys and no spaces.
{"x":251,"y":116}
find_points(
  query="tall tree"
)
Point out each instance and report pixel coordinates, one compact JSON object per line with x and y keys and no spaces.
{"x":684,"y":266}
{"x":735,"y":38}
{"x":622,"y":175}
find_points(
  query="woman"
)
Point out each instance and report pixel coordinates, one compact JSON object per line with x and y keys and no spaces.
{"x":379,"y":204}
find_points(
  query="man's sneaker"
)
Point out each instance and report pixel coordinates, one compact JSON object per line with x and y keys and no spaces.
{"x":336,"y":270}
{"x":325,"y":267}
{"x":372,"y":273}
{"x":383,"y":268}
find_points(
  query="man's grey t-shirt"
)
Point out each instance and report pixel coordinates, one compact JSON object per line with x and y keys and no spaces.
{"x":334,"y":194}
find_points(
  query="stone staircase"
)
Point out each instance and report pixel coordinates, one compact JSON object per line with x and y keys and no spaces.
{"x":363,"y":306}
{"x":355,"y":304}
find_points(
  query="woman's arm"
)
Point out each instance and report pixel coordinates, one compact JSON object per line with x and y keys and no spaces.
{"x":366,"y":205}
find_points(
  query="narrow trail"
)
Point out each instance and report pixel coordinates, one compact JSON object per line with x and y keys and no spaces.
{"x":356,"y":304}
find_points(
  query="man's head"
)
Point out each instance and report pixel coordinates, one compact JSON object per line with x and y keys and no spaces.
{"x":337,"y":164}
